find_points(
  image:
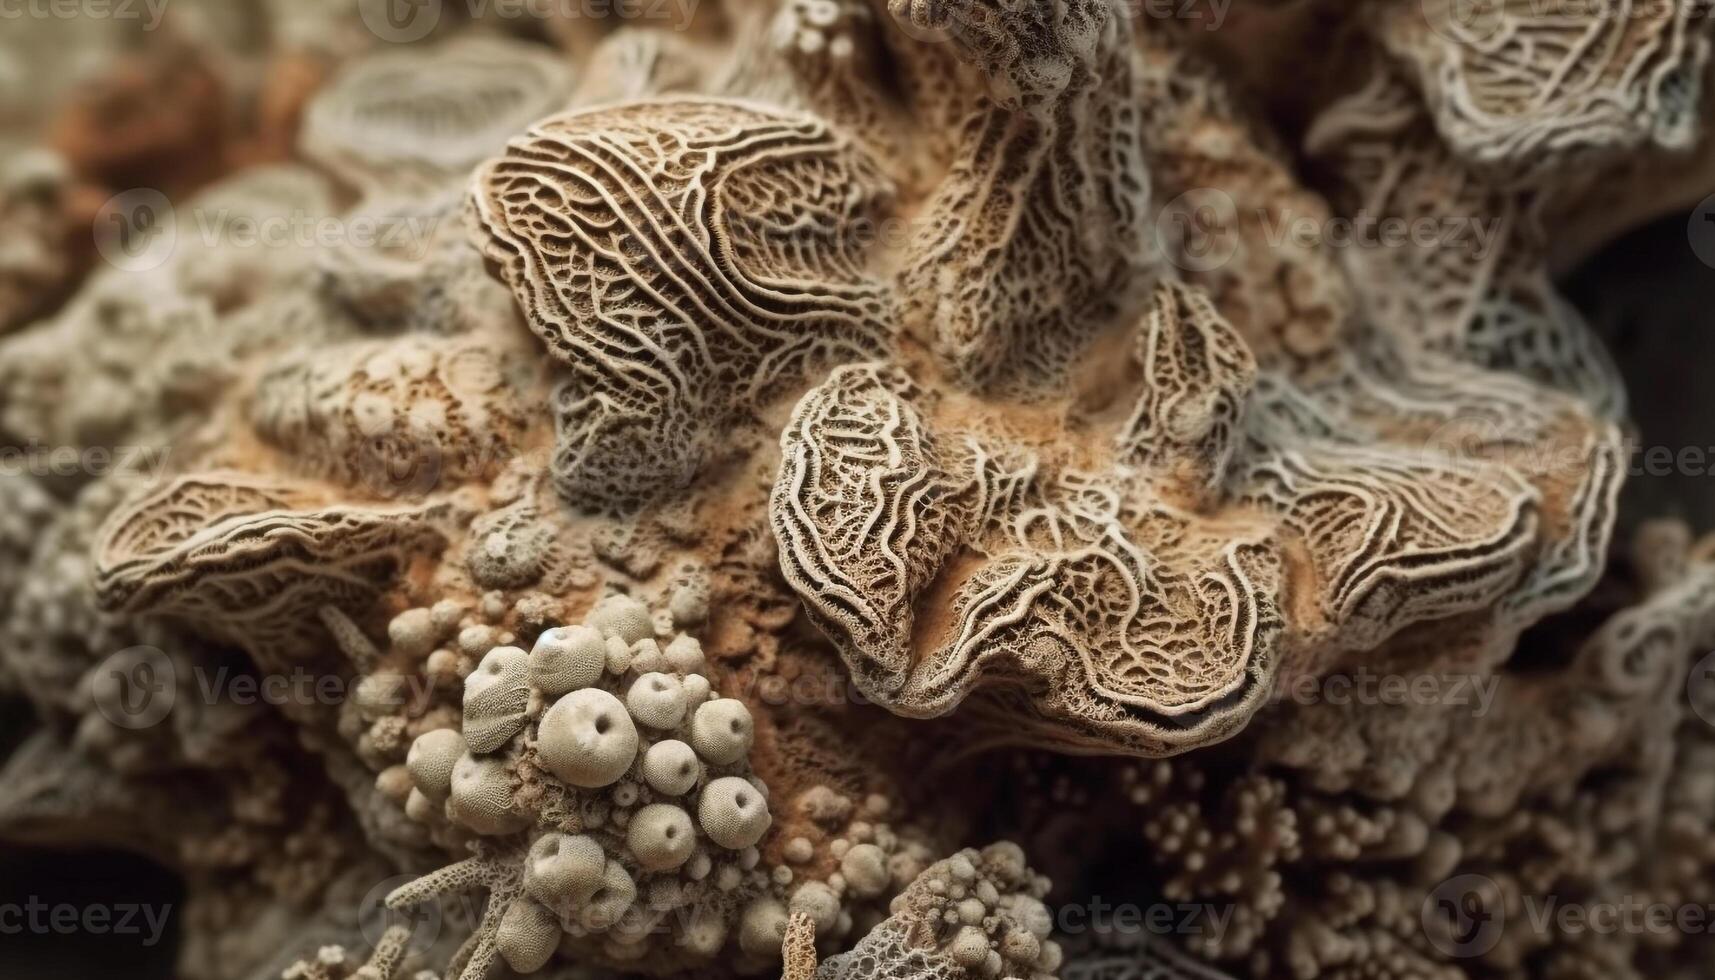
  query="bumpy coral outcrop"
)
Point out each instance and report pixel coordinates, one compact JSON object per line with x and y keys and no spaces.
{"x":251,"y":560}
{"x":607,"y":792}
{"x":682,"y":479}
{"x":975,"y":914}
{"x":336,"y":963}
{"x":1359,"y":814}
{"x":1040,"y":227}
{"x":403,"y":417}
{"x":681,"y":279}
{"x":398,"y":117}
{"x":1528,"y":89}
{"x":1064,"y":594}
{"x":1148,"y":606}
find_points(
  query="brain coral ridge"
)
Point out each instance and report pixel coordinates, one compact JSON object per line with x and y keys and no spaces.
{"x":1137,"y":603}
{"x":765,"y":419}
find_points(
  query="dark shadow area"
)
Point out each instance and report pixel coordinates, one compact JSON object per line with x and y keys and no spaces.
{"x":87,"y":914}
{"x":1652,"y":300}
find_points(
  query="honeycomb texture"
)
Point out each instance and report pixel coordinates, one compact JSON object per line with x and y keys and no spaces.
{"x":652,"y":496}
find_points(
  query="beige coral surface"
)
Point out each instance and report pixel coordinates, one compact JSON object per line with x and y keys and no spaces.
{"x":851,"y":491}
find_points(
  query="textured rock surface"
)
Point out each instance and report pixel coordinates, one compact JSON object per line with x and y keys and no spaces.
{"x":848,"y":491}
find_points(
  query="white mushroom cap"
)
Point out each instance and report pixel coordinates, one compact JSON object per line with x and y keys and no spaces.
{"x":685,"y":654}
{"x":865,"y":870}
{"x":969,"y":948}
{"x":564,"y":869}
{"x":622,"y":616}
{"x":419,"y":807}
{"x":661,"y":836}
{"x":496,"y":695}
{"x":528,"y":936}
{"x":567,"y":658}
{"x":656,"y":700}
{"x":431,"y":760}
{"x":615,"y":895}
{"x":696,"y":689}
{"x":647,"y":658}
{"x":412,"y":632}
{"x":671,"y":767}
{"x":721,"y":731}
{"x":733,"y":813}
{"x":761,"y":927}
{"x":481,"y":797}
{"x":816,"y":900}
{"x":587,"y":739}
{"x":705,"y":934}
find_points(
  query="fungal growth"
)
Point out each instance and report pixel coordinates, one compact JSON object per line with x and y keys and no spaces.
{"x":1107,"y":600}
{"x":843,"y":490}
{"x":682,"y":259}
{"x":1528,"y":90}
{"x":252,"y":559}
{"x":975,"y":914}
{"x":612,"y":803}
{"x":404,"y":116}
{"x":1041,"y":227}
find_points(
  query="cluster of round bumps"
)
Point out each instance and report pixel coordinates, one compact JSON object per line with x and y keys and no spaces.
{"x":991,"y":912}
{"x":607,"y":743}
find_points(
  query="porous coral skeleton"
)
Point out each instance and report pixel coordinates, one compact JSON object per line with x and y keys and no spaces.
{"x":752,"y":463}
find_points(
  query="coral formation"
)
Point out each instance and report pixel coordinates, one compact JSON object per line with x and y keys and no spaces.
{"x":848,"y":491}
